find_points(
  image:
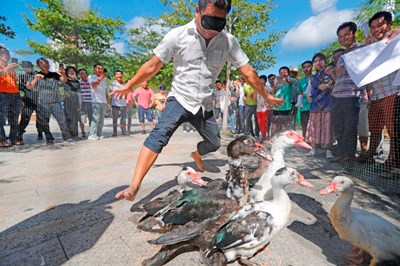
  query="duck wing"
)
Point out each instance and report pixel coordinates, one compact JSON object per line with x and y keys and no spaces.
{"x":195,"y":205}
{"x":154,"y":206}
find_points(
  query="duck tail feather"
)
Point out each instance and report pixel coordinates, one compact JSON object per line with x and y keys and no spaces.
{"x":176,"y":236}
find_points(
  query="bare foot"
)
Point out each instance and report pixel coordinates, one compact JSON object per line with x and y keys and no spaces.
{"x":197,"y":159}
{"x":355,"y":256}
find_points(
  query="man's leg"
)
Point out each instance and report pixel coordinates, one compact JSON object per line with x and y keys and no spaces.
{"x":103,"y":110}
{"x":115,"y":113}
{"x":95,"y":120}
{"x":208,"y":128}
{"x":145,"y":161}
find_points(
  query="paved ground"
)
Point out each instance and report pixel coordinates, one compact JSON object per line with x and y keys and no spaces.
{"x":57,"y":203}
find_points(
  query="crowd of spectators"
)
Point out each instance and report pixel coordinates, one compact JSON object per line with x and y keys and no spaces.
{"x":72,"y":97}
{"x":326,"y":103}
{"x":323,"y":99}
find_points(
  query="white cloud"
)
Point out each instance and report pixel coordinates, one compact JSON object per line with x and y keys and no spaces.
{"x":316,"y":30}
{"x":119,"y":47}
{"x":135,"y":22}
{"x":138,"y":22}
{"x":319,"y":6}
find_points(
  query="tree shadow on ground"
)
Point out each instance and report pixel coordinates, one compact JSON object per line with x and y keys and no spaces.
{"x":58,"y":233}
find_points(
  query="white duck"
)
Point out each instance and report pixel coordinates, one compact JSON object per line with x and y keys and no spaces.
{"x":255,"y":225}
{"x":364,"y":230}
{"x":284,"y":140}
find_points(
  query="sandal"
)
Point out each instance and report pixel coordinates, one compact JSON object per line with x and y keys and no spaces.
{"x":5,"y":144}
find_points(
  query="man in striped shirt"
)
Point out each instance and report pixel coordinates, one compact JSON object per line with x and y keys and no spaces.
{"x":86,"y":109}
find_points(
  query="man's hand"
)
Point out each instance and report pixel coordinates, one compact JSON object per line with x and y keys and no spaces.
{"x":11,"y":67}
{"x":390,"y":35}
{"x":128,"y":194}
{"x":273,"y":101}
{"x":120,"y":92}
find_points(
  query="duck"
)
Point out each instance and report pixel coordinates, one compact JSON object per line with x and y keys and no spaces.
{"x":187,"y":179}
{"x":254,"y":226}
{"x":365,"y":231}
{"x":210,"y":201}
{"x":262,"y":188}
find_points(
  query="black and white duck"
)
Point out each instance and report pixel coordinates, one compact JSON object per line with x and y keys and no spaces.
{"x":255,"y":225}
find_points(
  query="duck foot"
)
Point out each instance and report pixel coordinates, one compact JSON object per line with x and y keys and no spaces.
{"x":197,"y":159}
{"x":356,"y":256}
{"x":249,"y":263}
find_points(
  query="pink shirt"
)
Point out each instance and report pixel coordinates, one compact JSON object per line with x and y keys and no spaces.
{"x":143,"y":96}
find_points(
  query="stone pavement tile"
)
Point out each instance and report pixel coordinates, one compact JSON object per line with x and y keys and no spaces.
{"x":46,"y":226}
{"x":46,"y":253}
{"x":115,"y":253}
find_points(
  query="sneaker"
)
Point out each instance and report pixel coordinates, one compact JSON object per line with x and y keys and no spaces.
{"x":93,"y":138}
{"x":101,"y":137}
{"x":50,"y":142}
{"x":329,"y":154}
{"x":143,"y":131}
{"x":83,"y":134}
{"x":114,"y":135}
{"x":311,"y":153}
{"x":191,"y":130}
{"x":70,"y":140}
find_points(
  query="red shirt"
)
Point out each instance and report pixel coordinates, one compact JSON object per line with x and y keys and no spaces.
{"x":143,"y":96}
{"x":8,"y":83}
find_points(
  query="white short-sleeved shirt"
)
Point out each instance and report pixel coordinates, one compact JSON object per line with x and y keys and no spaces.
{"x":115,"y":101}
{"x":196,"y":66}
{"x":99,"y":93}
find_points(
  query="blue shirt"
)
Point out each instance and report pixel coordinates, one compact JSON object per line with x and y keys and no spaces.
{"x":321,"y":100}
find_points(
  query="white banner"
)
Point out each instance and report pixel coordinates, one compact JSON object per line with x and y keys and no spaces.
{"x":372,"y":62}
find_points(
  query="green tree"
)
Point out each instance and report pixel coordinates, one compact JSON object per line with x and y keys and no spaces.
{"x":82,"y":39}
{"x":5,"y":29}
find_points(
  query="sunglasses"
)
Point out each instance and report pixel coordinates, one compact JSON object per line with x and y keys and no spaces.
{"x":212,"y":23}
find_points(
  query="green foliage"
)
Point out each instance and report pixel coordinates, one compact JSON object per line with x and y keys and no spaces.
{"x":84,"y":39}
{"x":369,"y":7}
{"x":5,"y":29}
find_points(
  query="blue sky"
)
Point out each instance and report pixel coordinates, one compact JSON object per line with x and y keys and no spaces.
{"x":311,"y":24}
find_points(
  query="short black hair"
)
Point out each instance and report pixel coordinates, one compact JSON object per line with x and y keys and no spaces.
{"x":271,"y":75}
{"x":348,"y":24}
{"x":97,"y":64}
{"x":320,"y":55}
{"x":338,"y":50}
{"x":217,"y":81}
{"x":70,"y":67}
{"x":42,"y":59}
{"x":222,"y":4}
{"x":264,"y":77}
{"x":79,"y":70}
{"x":387,"y":16}
{"x":120,"y":71}
{"x":284,"y":67}
{"x":306,"y":62}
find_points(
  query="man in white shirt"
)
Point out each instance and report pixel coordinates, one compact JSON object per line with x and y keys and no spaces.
{"x":98,"y":84}
{"x":199,"y":50}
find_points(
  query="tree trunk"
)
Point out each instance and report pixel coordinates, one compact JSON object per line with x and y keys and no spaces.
{"x":227,"y":99}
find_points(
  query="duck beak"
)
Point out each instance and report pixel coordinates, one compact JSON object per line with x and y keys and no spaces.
{"x":196,"y":179}
{"x":302,"y":143}
{"x":303,"y":182}
{"x":263,"y":154}
{"x":329,"y":189}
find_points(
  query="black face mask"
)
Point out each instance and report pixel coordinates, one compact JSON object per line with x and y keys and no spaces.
{"x":213,"y":23}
